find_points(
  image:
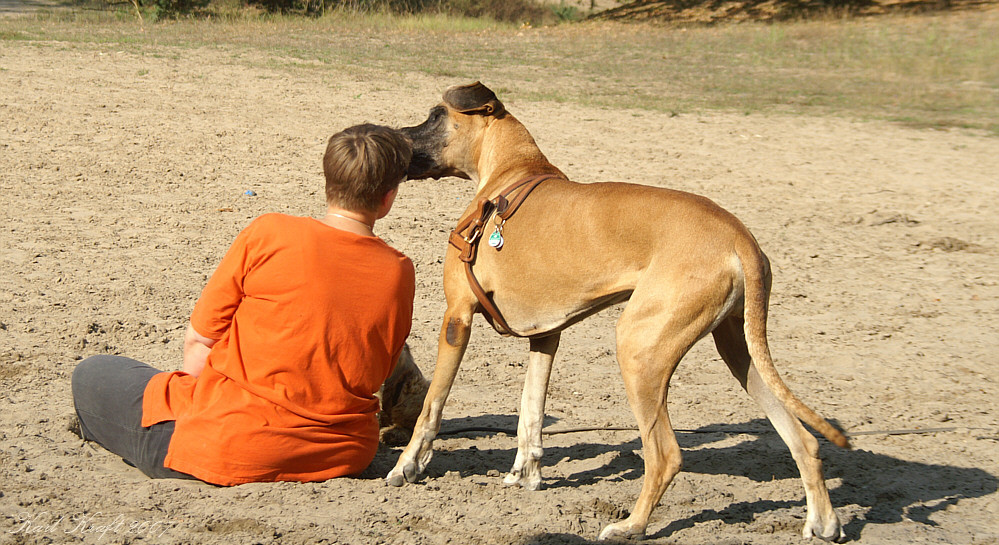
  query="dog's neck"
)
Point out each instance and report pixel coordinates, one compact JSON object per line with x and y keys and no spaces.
{"x":505,"y":164}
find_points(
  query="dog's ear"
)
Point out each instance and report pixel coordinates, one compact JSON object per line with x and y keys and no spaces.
{"x":473,"y":98}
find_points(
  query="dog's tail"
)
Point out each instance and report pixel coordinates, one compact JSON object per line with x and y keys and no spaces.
{"x":757,"y":291}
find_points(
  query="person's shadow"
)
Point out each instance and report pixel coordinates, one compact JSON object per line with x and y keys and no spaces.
{"x":890,"y":488}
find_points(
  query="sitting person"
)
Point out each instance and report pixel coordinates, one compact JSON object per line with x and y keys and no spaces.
{"x":290,"y":340}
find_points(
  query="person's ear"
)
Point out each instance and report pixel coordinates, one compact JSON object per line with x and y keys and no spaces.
{"x":387,"y":202}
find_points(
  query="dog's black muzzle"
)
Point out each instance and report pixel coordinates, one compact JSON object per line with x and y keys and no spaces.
{"x":429,"y":139}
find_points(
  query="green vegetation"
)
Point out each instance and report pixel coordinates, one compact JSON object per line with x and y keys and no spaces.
{"x":928,"y":71}
{"x":528,"y":12}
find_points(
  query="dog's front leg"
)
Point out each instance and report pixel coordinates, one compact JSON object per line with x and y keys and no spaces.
{"x":526,"y":471}
{"x":451,"y":346}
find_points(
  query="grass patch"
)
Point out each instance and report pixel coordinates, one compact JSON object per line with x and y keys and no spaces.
{"x":927,"y":71}
{"x":12,"y":35}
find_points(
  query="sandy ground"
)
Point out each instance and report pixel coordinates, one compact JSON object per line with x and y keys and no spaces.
{"x":122,"y":180}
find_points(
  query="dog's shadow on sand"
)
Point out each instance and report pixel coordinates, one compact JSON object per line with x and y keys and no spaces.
{"x":889,"y":489}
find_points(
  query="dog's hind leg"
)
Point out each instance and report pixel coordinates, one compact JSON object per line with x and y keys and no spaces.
{"x":526,"y":471}
{"x":821,"y":520}
{"x":454,"y":335}
{"x":650,"y":344}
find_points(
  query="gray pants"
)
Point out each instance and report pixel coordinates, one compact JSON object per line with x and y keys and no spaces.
{"x":107,"y":394}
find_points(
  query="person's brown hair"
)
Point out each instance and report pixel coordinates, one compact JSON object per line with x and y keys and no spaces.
{"x":363,"y":163}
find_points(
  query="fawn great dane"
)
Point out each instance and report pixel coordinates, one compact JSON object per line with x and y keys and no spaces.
{"x":685,"y":266}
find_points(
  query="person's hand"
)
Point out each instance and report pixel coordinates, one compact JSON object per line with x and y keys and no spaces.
{"x":196,"y":349}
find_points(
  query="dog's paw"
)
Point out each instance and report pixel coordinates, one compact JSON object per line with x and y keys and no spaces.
{"x":409,"y":468}
{"x":401,"y":474}
{"x":394,"y":478}
{"x":832,"y":531}
{"x":622,"y":530}
{"x":523,"y":480}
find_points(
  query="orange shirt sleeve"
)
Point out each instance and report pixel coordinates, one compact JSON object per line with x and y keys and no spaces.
{"x":212,"y":314}
{"x":169,"y":392}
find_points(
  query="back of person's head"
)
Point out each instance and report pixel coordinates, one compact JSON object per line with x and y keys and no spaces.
{"x":363,"y":163}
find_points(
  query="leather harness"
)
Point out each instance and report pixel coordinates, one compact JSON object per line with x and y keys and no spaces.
{"x":466,"y":235}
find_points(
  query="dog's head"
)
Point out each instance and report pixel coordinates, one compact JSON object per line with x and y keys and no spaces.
{"x":449,"y":141}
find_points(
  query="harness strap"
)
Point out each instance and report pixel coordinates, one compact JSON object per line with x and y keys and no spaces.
{"x":466,"y":235}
